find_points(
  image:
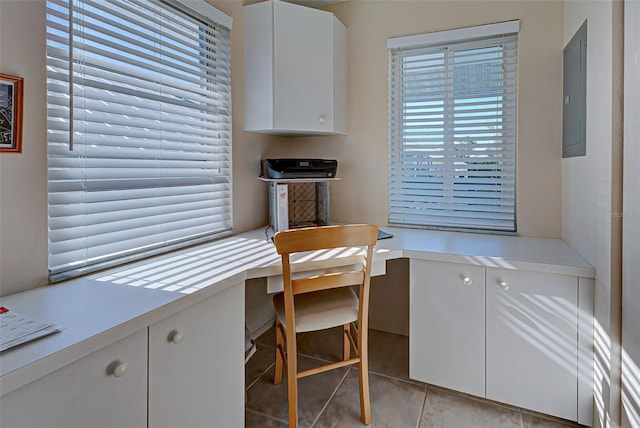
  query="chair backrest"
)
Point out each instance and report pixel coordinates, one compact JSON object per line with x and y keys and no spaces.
{"x":327,"y":237}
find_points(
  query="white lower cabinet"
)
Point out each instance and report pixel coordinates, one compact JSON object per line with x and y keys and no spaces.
{"x":504,"y":334}
{"x":532,"y":341}
{"x":105,"y":389}
{"x":446,"y":325}
{"x":196,"y":365}
{"x":186,"y":370}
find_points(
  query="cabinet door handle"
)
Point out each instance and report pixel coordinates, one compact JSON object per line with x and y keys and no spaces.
{"x":504,"y":285}
{"x":467,"y":281}
{"x":120,"y":369}
{"x":175,"y":336}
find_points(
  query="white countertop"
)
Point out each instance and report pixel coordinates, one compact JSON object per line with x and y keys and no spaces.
{"x":102,"y":308}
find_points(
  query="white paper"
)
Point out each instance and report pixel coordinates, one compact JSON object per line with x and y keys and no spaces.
{"x":16,"y":328}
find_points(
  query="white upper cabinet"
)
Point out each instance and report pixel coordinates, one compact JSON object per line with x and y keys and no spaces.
{"x":295,"y":69}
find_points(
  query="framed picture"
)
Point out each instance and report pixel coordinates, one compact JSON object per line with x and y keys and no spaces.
{"x":11,"y":99}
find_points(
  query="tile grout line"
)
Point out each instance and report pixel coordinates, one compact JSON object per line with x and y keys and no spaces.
{"x":331,"y":398}
{"x":260,"y":375}
{"x":273,"y":418}
{"x":424,"y":404}
{"x":519,"y":410}
{"x":316,"y":358}
{"x":409,"y":381}
{"x":302,"y":354}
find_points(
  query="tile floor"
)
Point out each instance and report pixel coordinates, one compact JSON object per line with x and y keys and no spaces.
{"x":330,"y":399}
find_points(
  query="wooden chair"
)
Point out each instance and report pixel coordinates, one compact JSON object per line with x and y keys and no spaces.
{"x":324,"y":301}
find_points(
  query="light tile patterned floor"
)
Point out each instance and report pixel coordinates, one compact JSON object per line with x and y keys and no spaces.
{"x":331,"y":399}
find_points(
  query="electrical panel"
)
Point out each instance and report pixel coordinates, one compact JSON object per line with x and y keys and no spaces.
{"x":574,"y":92}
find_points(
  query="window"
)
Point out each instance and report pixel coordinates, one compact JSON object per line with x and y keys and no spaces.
{"x":139,"y":129}
{"x":452,"y":129}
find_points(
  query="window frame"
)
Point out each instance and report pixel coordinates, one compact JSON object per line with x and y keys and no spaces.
{"x":185,"y":176}
{"x":413,"y":200}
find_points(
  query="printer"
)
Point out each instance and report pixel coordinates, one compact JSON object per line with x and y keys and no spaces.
{"x":299,"y":168}
{"x":298,"y":192}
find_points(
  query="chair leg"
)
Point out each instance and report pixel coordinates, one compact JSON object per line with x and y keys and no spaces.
{"x":346,"y":343}
{"x":363,"y":378}
{"x":277,"y":378}
{"x":292,"y":378}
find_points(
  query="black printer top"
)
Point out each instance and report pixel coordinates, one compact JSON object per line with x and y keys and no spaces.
{"x":299,"y":168}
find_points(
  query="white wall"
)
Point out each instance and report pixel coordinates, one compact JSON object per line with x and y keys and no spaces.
{"x":590,"y":188}
{"x":361,"y":195}
{"x":250,"y":206}
{"x":23,"y":177}
{"x":631,"y":222}
{"x":362,"y":154}
{"x":579,"y":207}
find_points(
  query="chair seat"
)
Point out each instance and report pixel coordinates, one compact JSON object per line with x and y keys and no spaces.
{"x":321,"y":309}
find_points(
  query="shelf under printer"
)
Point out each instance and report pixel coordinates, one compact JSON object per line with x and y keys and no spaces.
{"x":298,"y":192}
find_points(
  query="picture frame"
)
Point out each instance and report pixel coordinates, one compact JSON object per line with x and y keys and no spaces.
{"x":11,"y":107}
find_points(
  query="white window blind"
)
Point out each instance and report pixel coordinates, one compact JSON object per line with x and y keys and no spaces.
{"x":139,"y":129}
{"x":452,"y":132}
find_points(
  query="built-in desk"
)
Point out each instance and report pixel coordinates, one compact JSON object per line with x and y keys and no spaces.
{"x":149,"y":302}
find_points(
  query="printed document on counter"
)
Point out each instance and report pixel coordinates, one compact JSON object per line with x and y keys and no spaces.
{"x":19,"y":328}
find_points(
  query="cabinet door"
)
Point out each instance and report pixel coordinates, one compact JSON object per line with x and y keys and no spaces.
{"x":303,"y":68}
{"x":446,"y":325}
{"x":532,"y":340}
{"x":105,"y":389}
{"x":196,"y":364}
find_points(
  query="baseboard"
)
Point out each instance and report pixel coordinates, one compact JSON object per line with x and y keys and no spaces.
{"x":401,"y":330}
{"x":263,"y":328}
